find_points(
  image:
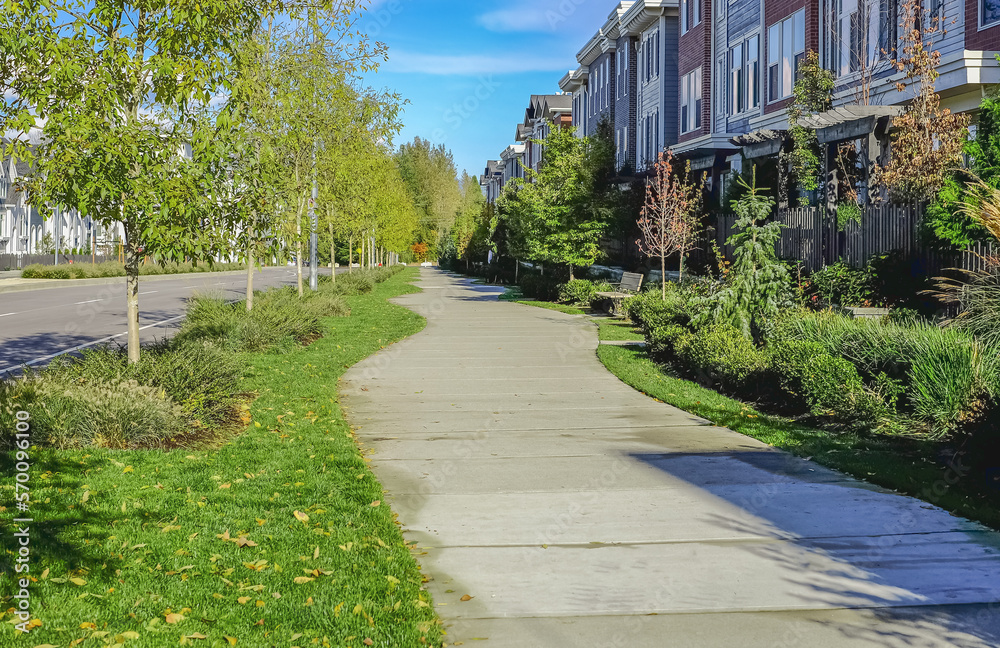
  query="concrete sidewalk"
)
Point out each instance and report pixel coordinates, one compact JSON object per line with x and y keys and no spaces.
{"x":578,"y":512}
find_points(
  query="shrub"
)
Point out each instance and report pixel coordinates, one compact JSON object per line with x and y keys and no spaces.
{"x":721,"y":354}
{"x":788,"y":360}
{"x":841,"y":284}
{"x":202,"y":379}
{"x":662,"y":340}
{"x":115,"y":269}
{"x":541,"y":287}
{"x":577,"y":291}
{"x":650,"y":311}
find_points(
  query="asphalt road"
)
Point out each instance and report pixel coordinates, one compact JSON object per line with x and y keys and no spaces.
{"x":37,"y":325}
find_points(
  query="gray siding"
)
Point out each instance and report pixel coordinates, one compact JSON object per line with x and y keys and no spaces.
{"x":743,"y":17}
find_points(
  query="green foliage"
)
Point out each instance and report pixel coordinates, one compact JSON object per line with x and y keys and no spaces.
{"x":944,"y":222}
{"x":948,"y":220}
{"x":429,"y":174}
{"x":721,"y":354}
{"x":979,"y":301}
{"x":947,"y":375}
{"x":757,"y":285}
{"x":843,"y":285}
{"x":114,"y":269}
{"x":561,"y":212}
{"x":577,"y":291}
{"x":541,"y":287}
{"x":847,"y":213}
{"x":812,"y":94}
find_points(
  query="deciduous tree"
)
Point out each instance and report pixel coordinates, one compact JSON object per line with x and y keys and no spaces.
{"x":667,"y":221}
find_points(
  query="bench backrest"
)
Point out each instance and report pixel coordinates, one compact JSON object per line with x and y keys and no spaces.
{"x":631,"y":281}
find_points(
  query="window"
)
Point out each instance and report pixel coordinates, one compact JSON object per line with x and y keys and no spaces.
{"x":786,"y":48}
{"x":888,"y":26}
{"x":989,"y":12}
{"x":744,"y":75}
{"x":607,"y":81}
{"x":690,"y":11}
{"x":656,"y":54}
{"x":691,"y":101}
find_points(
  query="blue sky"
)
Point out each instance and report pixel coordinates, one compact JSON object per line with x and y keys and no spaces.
{"x":468,"y":68}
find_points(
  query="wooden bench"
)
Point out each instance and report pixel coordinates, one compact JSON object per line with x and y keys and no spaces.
{"x":628,"y":286}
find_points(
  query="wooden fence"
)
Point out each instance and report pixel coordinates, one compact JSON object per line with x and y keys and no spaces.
{"x":814,"y":238}
{"x":19,"y":261}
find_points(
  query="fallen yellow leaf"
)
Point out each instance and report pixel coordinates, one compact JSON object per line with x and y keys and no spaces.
{"x":78,"y":581}
{"x":173,"y":617}
{"x":243,"y":600}
{"x":302,"y":580}
{"x":300,"y":516}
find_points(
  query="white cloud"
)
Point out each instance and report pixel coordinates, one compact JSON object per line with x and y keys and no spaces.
{"x":470,"y":65}
{"x":546,"y":16}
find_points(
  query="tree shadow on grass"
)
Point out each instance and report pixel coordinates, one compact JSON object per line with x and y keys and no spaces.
{"x":65,"y":534}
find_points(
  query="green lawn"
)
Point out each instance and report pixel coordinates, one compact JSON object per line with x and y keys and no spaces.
{"x":902,"y":464}
{"x":513,"y":294}
{"x":279,"y":538}
{"x":616,"y":330}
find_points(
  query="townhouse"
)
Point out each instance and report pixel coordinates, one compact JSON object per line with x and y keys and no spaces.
{"x":24,"y":231}
{"x":544,"y":112}
{"x":712,"y":79}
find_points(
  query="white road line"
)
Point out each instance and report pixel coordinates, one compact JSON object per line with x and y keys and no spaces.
{"x":87,"y":302}
{"x":149,"y":292}
{"x":6,"y":314}
{"x":84,"y":346}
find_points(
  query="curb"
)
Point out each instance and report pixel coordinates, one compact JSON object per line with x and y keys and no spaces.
{"x":104,"y":281}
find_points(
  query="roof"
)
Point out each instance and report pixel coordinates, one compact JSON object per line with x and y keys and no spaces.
{"x":846,"y":114}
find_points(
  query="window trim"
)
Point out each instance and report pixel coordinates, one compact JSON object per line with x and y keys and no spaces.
{"x":749,"y":58}
{"x":981,"y":5}
{"x":781,"y":25}
{"x":695,"y":15}
{"x":691,"y":102}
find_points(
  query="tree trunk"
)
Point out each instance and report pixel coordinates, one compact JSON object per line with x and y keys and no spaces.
{"x":571,"y":272}
{"x":680,"y":267}
{"x":298,"y":254}
{"x":132,"y":295}
{"x":350,"y":253}
{"x":663,"y":276}
{"x":249,"y":280}
{"x":361,"y":254}
{"x":333,"y":255}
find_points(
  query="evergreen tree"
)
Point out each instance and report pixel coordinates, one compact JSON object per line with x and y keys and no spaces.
{"x":758,"y":283}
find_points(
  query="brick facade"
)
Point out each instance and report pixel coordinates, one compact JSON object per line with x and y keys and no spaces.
{"x":695,"y":50}
{"x":625,"y":106}
{"x":986,"y":40}
{"x":775,"y":11}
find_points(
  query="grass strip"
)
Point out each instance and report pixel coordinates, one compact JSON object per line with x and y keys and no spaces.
{"x":514,"y":295}
{"x":616,"y":330}
{"x":904,"y":465}
{"x":281,"y":537}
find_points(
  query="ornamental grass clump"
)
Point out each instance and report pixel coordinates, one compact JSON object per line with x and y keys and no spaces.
{"x":948,"y":377}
